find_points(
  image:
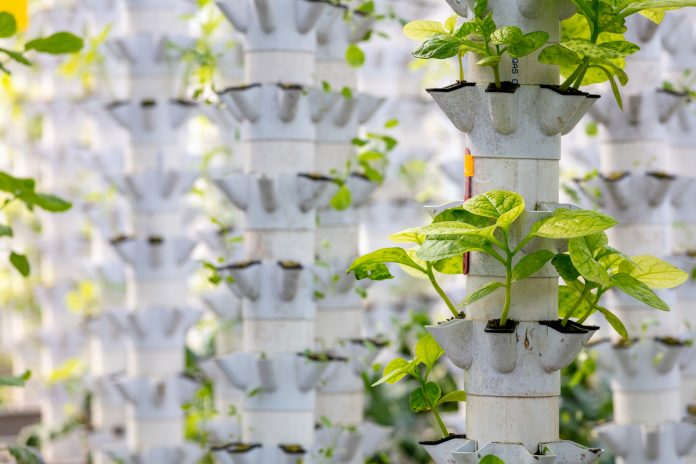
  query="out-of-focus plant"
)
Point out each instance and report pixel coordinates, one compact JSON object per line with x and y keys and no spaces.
{"x":88,"y":64}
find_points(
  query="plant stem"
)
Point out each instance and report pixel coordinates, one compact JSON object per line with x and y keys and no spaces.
{"x":570,"y":313}
{"x":496,"y":75}
{"x":508,"y":288}
{"x":433,"y":408}
{"x":461,"y":67}
{"x":571,"y":79}
{"x":438,"y":289}
{"x":593,"y":305}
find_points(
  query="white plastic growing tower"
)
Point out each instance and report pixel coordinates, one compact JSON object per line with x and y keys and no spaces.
{"x":157,"y":254}
{"x":63,"y":244}
{"x":513,"y":375}
{"x":279,"y":196}
{"x":635,"y":188}
{"x":679,"y":65}
{"x":340,"y":308}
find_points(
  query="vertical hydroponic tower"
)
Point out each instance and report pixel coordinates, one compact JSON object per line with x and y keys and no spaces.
{"x":157,"y":251}
{"x":512,"y":375}
{"x":279,"y":194}
{"x":635,"y":187}
{"x":339,"y":328}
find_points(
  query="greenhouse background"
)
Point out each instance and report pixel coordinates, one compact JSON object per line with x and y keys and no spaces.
{"x":347,"y":231}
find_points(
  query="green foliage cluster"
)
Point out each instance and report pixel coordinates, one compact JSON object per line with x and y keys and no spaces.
{"x":592,"y":49}
{"x":483,"y":224}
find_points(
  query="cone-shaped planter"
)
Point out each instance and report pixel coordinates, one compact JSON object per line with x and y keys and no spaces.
{"x":635,"y":443}
{"x":548,"y":114}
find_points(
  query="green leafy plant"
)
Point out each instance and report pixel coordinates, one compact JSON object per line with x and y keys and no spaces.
{"x":480,"y":35}
{"x":428,"y":395}
{"x":23,"y":190}
{"x":591,"y":268}
{"x":483,"y":224}
{"x":56,"y":44}
{"x":593,"y":48}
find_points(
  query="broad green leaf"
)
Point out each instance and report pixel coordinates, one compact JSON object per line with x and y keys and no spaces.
{"x":531,"y":264}
{"x":453,"y":397}
{"x":482,"y":292}
{"x":366,"y":263}
{"x":529,"y":43}
{"x":412,"y":235}
{"x":439,"y":47}
{"x":636,"y":7}
{"x":453,"y":265}
{"x":6,"y":231}
{"x":435,"y":250}
{"x":453,"y":230}
{"x":396,"y":370}
{"x":15,"y":381}
{"x":638,"y":290}
{"x":423,"y":29}
{"x":565,"y":268}
{"x":8,"y":25}
{"x":568,"y":297}
{"x":373,"y":271}
{"x":506,"y":35}
{"x":656,"y":273}
{"x":573,"y":223}
{"x":559,"y":55}
{"x":459,"y":214}
{"x":18,"y":57}
{"x":465,"y":29}
{"x":619,"y":48}
{"x":614,"y":321}
{"x":597,"y":241}
{"x":612,"y":260}
{"x":50,"y":202}
{"x":56,"y":44}
{"x":491,"y":459}
{"x":23,"y":455}
{"x":585,"y":48}
{"x":355,"y":57}
{"x":451,"y":23}
{"x":422,"y":398}
{"x":480,"y":8}
{"x":21,"y":263}
{"x":500,"y":205}
{"x":413,"y":272}
{"x":428,"y":351}
{"x":493,"y":60}
{"x":584,"y":262}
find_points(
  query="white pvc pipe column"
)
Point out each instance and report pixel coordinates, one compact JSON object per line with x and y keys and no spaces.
{"x":155,"y":180}
{"x":279,"y":195}
{"x":513,"y":379}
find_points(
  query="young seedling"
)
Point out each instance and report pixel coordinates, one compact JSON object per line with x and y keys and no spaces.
{"x":591,"y":268}
{"x":593,"y":48}
{"x":428,"y":395}
{"x":479,"y":35}
{"x":483,"y":224}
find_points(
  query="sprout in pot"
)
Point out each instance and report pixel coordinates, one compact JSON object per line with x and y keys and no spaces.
{"x":428,"y":395}
{"x":479,"y":35}
{"x":483,"y":224}
{"x":592,"y":49}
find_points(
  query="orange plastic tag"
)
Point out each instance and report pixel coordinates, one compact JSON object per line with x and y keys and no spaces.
{"x":18,"y":9}
{"x":469,"y":165}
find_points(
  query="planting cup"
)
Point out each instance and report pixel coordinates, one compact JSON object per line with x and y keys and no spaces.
{"x":491,"y":114}
{"x":455,"y":337}
{"x":502,"y":345}
{"x":439,"y":450}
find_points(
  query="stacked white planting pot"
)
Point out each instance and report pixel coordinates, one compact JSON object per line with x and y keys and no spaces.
{"x":63,"y":245}
{"x":340,"y":308}
{"x":636,"y":189}
{"x":513,"y":377}
{"x":157,"y":254}
{"x":279,"y":197}
{"x":679,"y":62}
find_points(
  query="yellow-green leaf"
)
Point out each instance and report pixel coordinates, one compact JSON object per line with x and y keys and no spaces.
{"x":656,"y":273}
{"x":428,"y":351}
{"x":423,"y":29}
{"x":451,"y":23}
